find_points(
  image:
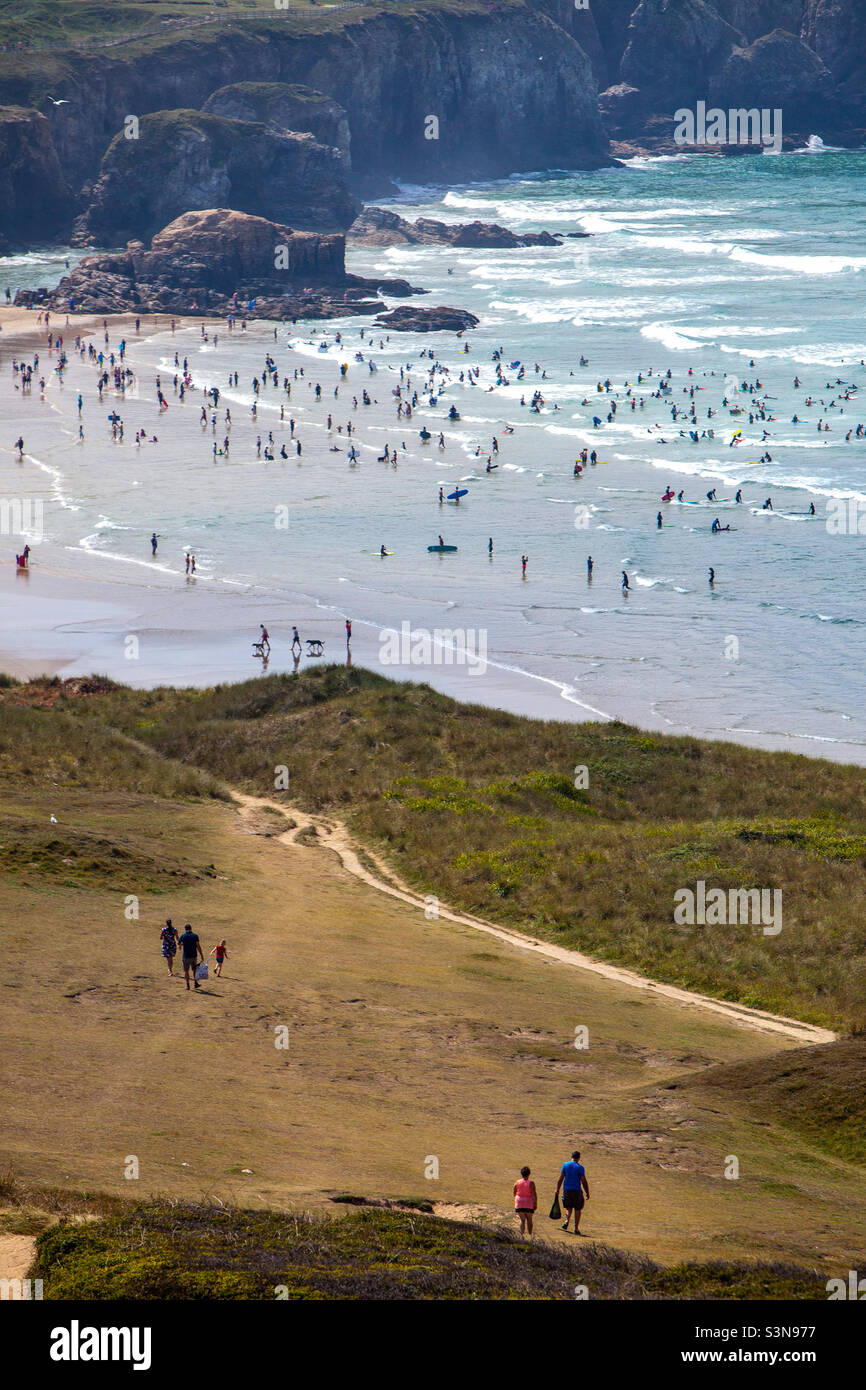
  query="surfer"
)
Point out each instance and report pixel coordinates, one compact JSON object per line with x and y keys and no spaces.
{"x":768,"y":505}
{"x":739,"y":496}
{"x":589,"y":567}
{"x":625,"y":584}
{"x":659,"y":520}
{"x":712,"y":576}
{"x":524,"y":560}
{"x":441,"y":496}
{"x":154,"y":542}
{"x":382,"y":551}
{"x":441,"y":541}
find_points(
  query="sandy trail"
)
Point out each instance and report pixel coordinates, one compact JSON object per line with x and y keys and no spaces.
{"x":333,"y":834}
{"x":16,"y":1256}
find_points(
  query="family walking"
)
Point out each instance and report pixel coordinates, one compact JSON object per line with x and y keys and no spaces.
{"x":191,"y":953}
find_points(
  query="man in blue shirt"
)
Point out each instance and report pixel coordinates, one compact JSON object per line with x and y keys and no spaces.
{"x":192,"y":953}
{"x":572,"y":1180}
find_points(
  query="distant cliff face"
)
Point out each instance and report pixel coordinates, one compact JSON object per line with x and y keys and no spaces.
{"x":458,"y":91}
{"x":33,"y":192}
{"x":285,"y":106}
{"x":807,"y":57}
{"x":182,"y":160}
{"x":509,"y":89}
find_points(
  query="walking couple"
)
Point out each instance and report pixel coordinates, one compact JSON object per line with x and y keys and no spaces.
{"x":575,"y":1192}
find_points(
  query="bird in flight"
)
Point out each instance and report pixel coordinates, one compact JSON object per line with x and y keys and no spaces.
{"x":61,"y":102}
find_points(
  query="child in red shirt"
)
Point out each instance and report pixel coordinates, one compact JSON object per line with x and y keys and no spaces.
{"x":221,"y":954}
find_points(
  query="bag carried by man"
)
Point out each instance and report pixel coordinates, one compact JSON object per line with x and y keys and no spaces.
{"x":201,"y":971}
{"x":556,"y":1210}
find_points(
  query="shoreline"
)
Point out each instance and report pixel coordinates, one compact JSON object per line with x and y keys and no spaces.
{"x":80,"y":621}
{"x":88,"y":598}
{"x":84,"y":626}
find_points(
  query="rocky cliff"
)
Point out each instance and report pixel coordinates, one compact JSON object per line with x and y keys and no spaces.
{"x":462,"y":91}
{"x":441,"y":91}
{"x":33,"y":195}
{"x":286,"y":107}
{"x":807,"y":57}
{"x":181,"y":160}
{"x":217,"y":260}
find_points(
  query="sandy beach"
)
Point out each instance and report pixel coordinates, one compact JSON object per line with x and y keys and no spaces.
{"x":557,"y":643}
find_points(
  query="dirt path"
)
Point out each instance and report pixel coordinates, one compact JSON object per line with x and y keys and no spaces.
{"x":332,"y":834}
{"x":16,"y":1256}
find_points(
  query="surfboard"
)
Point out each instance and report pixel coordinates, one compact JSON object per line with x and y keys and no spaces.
{"x":457,"y":494}
{"x":440,"y":549}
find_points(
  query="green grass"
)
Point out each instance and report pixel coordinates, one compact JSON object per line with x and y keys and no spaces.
{"x":168,"y":1250}
{"x":817,"y":1092}
{"x":479,"y":808}
{"x":37,"y":22}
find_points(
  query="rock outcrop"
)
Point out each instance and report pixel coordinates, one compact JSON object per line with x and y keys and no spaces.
{"x":34,"y":199}
{"x":777,"y":71}
{"x":673,"y":49}
{"x":171,"y":162}
{"x":220,"y":260}
{"x":836,"y":31}
{"x":380,"y":227}
{"x":409,"y":318}
{"x":624,"y":109}
{"x":754,"y":18}
{"x":805,"y":57}
{"x":282,"y":106}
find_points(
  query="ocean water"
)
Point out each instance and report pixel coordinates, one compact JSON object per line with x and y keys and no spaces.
{"x":741,"y":270}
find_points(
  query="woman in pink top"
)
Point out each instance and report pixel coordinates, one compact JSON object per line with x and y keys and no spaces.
{"x":525,"y":1201}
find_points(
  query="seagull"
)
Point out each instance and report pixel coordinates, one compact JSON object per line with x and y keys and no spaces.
{"x":62,"y":101}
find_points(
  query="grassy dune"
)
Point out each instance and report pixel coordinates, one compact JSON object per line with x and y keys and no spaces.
{"x":408,"y":1038}
{"x":166,"y":1250}
{"x":479,"y":808}
{"x":817,"y":1092}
